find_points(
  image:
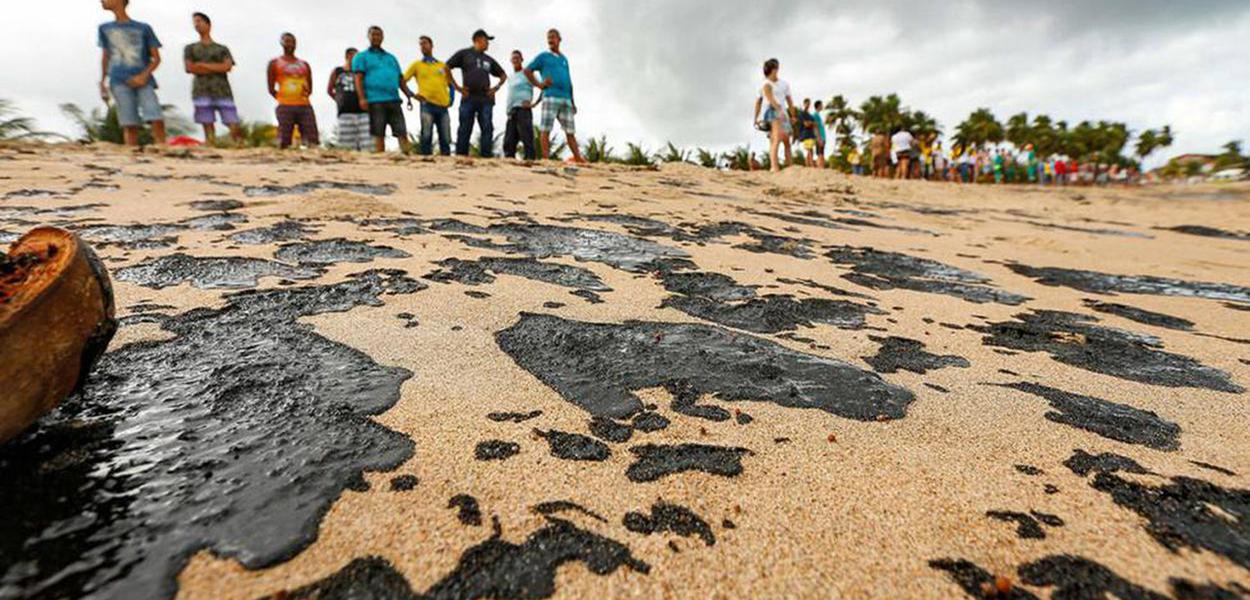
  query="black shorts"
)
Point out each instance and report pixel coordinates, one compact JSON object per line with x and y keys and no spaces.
{"x":382,"y":114}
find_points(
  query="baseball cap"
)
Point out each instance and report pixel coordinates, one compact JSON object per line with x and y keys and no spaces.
{"x":482,"y":33}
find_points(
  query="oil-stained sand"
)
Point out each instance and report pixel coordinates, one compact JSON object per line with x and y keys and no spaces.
{"x":792,"y":386}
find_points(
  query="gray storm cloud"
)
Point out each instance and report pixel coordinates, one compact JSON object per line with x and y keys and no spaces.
{"x":653,"y":71}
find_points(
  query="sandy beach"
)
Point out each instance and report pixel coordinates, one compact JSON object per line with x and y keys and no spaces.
{"x":350,"y":376}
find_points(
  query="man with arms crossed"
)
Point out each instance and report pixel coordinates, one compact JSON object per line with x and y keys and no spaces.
{"x":209,"y":62}
{"x":131,"y":54}
{"x":557,"y":86}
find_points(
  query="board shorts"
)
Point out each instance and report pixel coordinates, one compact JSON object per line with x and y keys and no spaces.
{"x":136,"y":105}
{"x":559,"y":109}
{"x":809,"y":143}
{"x":384,"y":114}
{"x":207,"y":109}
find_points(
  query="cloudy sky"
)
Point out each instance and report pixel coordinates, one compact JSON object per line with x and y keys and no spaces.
{"x":688,"y":71}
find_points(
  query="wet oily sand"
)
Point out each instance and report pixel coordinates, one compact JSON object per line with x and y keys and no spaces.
{"x":796,"y":386}
{"x":174,"y":446}
{"x":581,"y":361}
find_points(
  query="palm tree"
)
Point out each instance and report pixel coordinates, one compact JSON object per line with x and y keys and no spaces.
{"x":1151,"y":140}
{"x":881,"y":114}
{"x":979,"y":129}
{"x":672,"y":154}
{"x":843,"y":120}
{"x":1019,"y":132}
{"x":922,"y":126}
{"x":16,"y":127}
{"x":706,"y":159}
{"x":598,"y":150}
{"x":635,"y":155}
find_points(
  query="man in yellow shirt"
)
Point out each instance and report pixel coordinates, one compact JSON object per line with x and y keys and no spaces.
{"x":435,"y":96}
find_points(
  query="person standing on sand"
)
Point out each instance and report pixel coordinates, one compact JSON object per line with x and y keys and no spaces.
{"x":879,"y":146}
{"x":131,"y":53}
{"x":557,"y":87}
{"x":435,"y":95}
{"x":477,"y":97}
{"x":378,"y":81}
{"x":353,"y":121}
{"x":775,"y":92}
{"x":209,"y":63}
{"x":520,"y":106}
{"x":290,"y":83}
{"x":807,"y":133}
{"x":902,"y":143}
{"x":822,"y":137}
{"x":856,"y":159}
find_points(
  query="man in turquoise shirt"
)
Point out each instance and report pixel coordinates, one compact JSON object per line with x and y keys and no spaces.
{"x":378,"y":81}
{"x":557,"y":88}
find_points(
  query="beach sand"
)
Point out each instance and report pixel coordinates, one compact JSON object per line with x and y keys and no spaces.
{"x":829,"y":469}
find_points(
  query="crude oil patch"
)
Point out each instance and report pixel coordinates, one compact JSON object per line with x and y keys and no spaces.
{"x":1103,"y":283}
{"x":573,"y":446}
{"x":1074,"y":340}
{"x":213,"y":205}
{"x":1073,"y":577}
{"x":1028,"y":526}
{"x":235,"y":436}
{"x":1204,"y":231}
{"x":599,"y":366}
{"x":544,"y":241}
{"x":496,"y":450}
{"x":282,"y":231}
{"x":156,"y":235}
{"x":672,"y":518}
{"x":483,"y":271}
{"x":1184,"y":513}
{"x":909,"y":355}
{"x":718,"y":298}
{"x":500,"y":569}
{"x":467,"y":510}
{"x":656,"y":462}
{"x":209,"y":272}
{"x":338,"y":250}
{"x":1111,"y":420}
{"x":1142,"y":316}
{"x":312,"y":186}
{"x":879,"y":270}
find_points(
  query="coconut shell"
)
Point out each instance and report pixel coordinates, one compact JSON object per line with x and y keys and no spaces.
{"x":56,"y":320}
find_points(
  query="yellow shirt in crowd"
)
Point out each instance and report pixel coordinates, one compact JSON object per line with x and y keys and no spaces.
{"x":431,"y":81}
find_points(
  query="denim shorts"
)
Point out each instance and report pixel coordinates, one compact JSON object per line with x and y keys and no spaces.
{"x":136,"y":105}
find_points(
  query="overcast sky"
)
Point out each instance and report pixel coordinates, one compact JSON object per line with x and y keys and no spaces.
{"x":688,"y":70}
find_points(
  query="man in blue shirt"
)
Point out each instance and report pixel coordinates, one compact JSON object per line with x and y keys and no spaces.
{"x":557,"y":86}
{"x":521,"y":103}
{"x":131,"y":54}
{"x":377,"y":86}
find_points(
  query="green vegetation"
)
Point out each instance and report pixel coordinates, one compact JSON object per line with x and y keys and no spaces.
{"x":102,"y":126}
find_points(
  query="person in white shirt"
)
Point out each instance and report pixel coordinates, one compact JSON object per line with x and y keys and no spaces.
{"x":902,"y":143}
{"x":776,"y":119}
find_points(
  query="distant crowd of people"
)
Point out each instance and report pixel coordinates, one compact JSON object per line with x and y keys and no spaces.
{"x":902,"y":155}
{"x":366,"y":90}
